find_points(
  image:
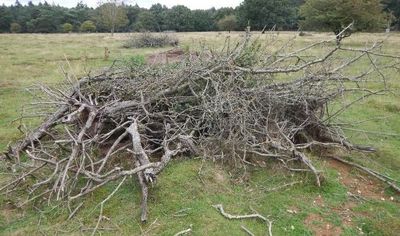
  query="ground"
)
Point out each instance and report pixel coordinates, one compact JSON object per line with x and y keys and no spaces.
{"x":348,"y":203}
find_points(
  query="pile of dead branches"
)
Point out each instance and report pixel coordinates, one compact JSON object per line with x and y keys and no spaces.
{"x":151,"y":40}
{"x":257,"y":97}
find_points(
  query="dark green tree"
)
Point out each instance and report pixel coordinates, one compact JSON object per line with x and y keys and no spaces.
{"x":146,"y":21}
{"x":334,"y":15}
{"x":132,"y":12}
{"x":5,"y":18}
{"x":42,"y":18}
{"x":159,"y":12}
{"x":203,"y":20}
{"x":261,"y":13}
{"x":392,"y":7}
{"x":78,"y":14}
{"x":48,"y":20}
{"x":179,"y":18}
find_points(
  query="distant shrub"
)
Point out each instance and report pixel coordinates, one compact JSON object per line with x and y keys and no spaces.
{"x":15,"y":28}
{"x":149,"y":40}
{"x":88,"y":26}
{"x":302,"y":33}
{"x":67,"y":27}
{"x":227,"y":23}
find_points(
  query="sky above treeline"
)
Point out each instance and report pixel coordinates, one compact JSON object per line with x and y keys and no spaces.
{"x":192,"y":4}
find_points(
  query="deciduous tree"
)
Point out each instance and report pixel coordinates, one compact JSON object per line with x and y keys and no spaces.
{"x":88,"y":26}
{"x":146,"y":21}
{"x":15,"y":28}
{"x":111,"y":16}
{"x":67,"y":27}
{"x":333,"y":15}
{"x":227,"y":23}
{"x":179,"y":18}
{"x":203,"y":20}
{"x":261,"y":13}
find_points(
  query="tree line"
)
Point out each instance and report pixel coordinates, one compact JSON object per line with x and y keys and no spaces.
{"x":116,"y":16}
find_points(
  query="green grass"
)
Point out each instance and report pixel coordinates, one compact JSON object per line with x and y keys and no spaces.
{"x":29,"y":59}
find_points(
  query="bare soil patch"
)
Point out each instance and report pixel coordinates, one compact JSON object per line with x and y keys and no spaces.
{"x":320,"y":227}
{"x":170,"y":56}
{"x":357,"y":184}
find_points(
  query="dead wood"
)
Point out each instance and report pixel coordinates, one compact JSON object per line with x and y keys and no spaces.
{"x":248,"y":98}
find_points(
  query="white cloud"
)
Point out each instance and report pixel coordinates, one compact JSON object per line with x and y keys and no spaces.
{"x":192,"y":4}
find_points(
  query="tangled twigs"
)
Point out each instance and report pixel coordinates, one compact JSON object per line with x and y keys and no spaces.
{"x":248,"y":100}
{"x":220,"y":208}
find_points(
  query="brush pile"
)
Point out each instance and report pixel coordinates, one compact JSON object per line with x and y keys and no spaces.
{"x":253,"y":98}
{"x":151,"y":40}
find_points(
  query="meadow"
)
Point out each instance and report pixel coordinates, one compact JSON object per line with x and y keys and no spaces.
{"x":348,"y":203}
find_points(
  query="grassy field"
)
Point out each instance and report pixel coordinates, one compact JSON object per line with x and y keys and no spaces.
{"x":188,"y":188}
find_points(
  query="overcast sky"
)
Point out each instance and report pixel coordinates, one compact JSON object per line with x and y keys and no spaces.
{"x":192,"y":4}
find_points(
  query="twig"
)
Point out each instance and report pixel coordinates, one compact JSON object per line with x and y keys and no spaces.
{"x":183,"y":232}
{"x":102,"y":205}
{"x":246,"y":230}
{"x":220,"y":208}
{"x":75,"y":211}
